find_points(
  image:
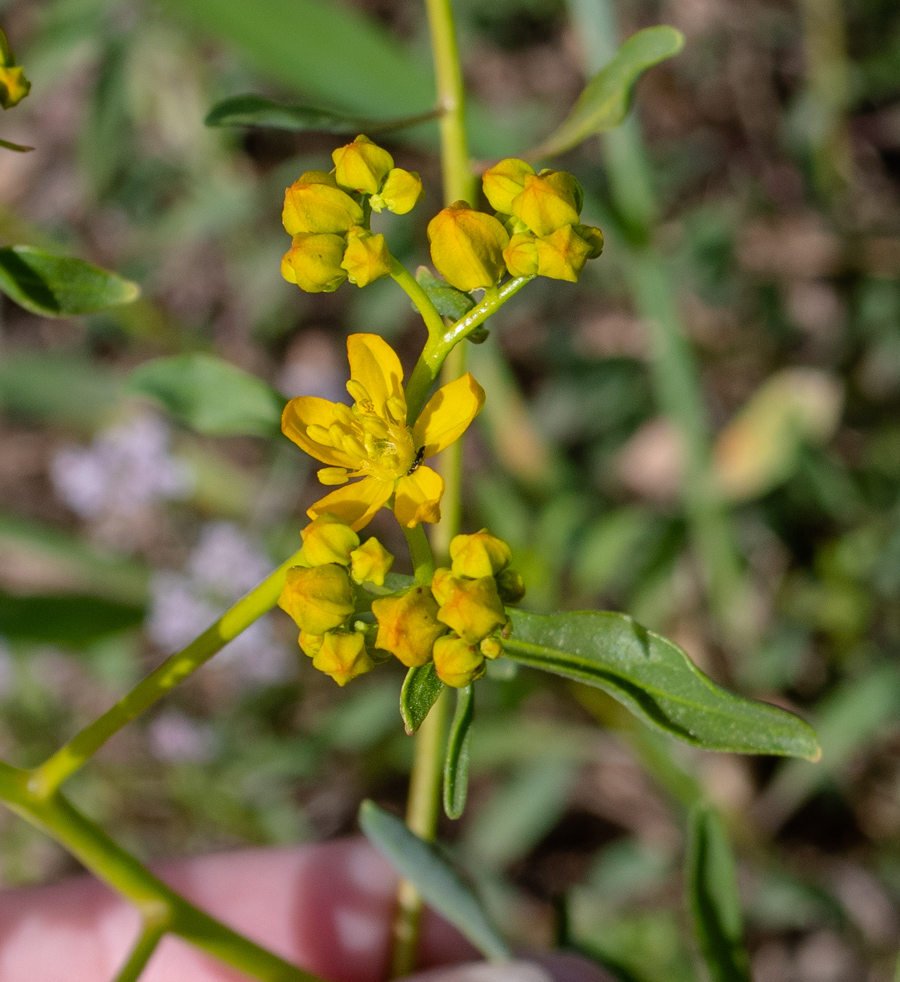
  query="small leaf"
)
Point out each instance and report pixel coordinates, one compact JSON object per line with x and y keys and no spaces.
{"x":434,"y":878}
{"x":605,"y":100}
{"x":456,"y":765}
{"x":255,"y":110}
{"x":65,"y":619}
{"x":657,"y":681}
{"x":421,"y":687}
{"x":210,"y":395}
{"x":60,"y":286}
{"x":18,"y":147}
{"x":449,"y":301}
{"x":713,"y":898}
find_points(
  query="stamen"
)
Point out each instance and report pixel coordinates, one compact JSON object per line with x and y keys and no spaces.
{"x":333,"y":475}
{"x":319,"y":434}
{"x":358,"y":392}
{"x":396,"y":407}
{"x":353,"y":447}
{"x":344,"y":414}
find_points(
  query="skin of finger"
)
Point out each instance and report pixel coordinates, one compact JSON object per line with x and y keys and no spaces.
{"x":326,"y":907}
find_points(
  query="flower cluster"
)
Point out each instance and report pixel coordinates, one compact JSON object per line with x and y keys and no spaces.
{"x":457,"y":621}
{"x":321,"y":599}
{"x":372,"y":440}
{"x":327,"y":216}
{"x":535,"y":231}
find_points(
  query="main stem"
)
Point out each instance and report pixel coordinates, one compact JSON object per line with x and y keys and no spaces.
{"x":459,"y":185}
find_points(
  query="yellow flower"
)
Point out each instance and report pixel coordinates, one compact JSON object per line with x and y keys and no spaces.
{"x":372,"y":440}
{"x":343,"y":656}
{"x":457,"y":663}
{"x":467,"y":247}
{"x":318,"y":599}
{"x":407,"y":625}
{"x":370,"y":563}
{"x":480,"y":554}
{"x":328,"y":540}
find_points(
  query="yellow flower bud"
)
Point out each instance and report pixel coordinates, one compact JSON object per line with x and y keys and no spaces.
{"x":361,"y":165}
{"x":370,"y":563}
{"x":471,"y":608}
{"x":328,"y":539}
{"x":457,"y":664}
{"x":548,"y":201}
{"x":314,"y":203}
{"x":442,"y":584}
{"x":481,"y":554}
{"x":310,"y":643}
{"x":402,"y":191}
{"x":343,"y":656}
{"x":407,"y":625}
{"x":593,"y":237}
{"x":467,"y":247}
{"x":318,"y":599}
{"x":510,"y":586}
{"x":366,"y":257}
{"x":562,"y":254}
{"x":521,"y":254}
{"x":13,"y":85}
{"x":314,"y":262}
{"x":504,"y":181}
{"x":491,"y":648}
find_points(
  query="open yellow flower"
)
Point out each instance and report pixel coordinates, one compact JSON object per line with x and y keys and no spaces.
{"x":372,"y":440}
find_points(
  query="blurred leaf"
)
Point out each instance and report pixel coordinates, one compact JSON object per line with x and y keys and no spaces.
{"x":657,"y":681}
{"x":522,"y":810}
{"x":57,"y":386}
{"x":760,"y":447}
{"x":60,"y":286}
{"x":210,"y":395}
{"x":421,"y":687}
{"x":18,"y":147}
{"x":67,"y":620}
{"x":713,"y":898}
{"x":439,"y":884}
{"x":605,"y":100}
{"x":449,"y":301}
{"x":255,"y":110}
{"x":456,"y":765}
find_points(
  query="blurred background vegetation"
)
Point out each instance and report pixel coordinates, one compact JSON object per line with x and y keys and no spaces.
{"x":704,"y":433}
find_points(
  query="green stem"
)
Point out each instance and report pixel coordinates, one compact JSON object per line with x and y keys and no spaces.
{"x":46,"y":778}
{"x":142,"y":952}
{"x":433,"y":320}
{"x":421,"y":817}
{"x":420,"y":552}
{"x":437,"y":348}
{"x":158,"y":903}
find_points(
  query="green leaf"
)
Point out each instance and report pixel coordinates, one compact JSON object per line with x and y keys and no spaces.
{"x":439,"y":884}
{"x":605,"y":100}
{"x":456,"y":764}
{"x":713,"y":898}
{"x":60,"y":286}
{"x":421,"y":687}
{"x":67,"y":619}
{"x":210,"y":395}
{"x":657,"y":681}
{"x":449,"y":301}
{"x":255,"y":110}
{"x":18,"y":147}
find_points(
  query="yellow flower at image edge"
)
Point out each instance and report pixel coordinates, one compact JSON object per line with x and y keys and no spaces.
{"x":373,"y":442}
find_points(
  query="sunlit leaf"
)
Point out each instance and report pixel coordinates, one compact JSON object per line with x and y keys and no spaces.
{"x":210,"y":395}
{"x":421,"y":687}
{"x":657,"y":681}
{"x":255,"y":110}
{"x":713,"y":898}
{"x":60,"y":286}
{"x":605,"y":100}
{"x":434,"y":878}
{"x":456,"y":765}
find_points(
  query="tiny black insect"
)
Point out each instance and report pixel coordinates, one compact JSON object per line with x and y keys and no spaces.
{"x":420,"y":453}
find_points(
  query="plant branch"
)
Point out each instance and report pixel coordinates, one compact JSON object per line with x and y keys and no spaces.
{"x":433,"y":320}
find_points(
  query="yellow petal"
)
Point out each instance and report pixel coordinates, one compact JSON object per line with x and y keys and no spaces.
{"x":355,"y":503}
{"x":375,"y":365}
{"x":305,"y":411}
{"x":447,"y":414}
{"x":418,"y":497}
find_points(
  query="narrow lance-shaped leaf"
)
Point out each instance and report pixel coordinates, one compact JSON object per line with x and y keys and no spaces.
{"x":210,"y":395}
{"x":657,"y":681}
{"x":434,"y":878}
{"x":60,"y":286}
{"x":421,"y":687}
{"x":713,"y":898}
{"x":456,"y":764}
{"x":257,"y":111}
{"x":604,"y":102}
